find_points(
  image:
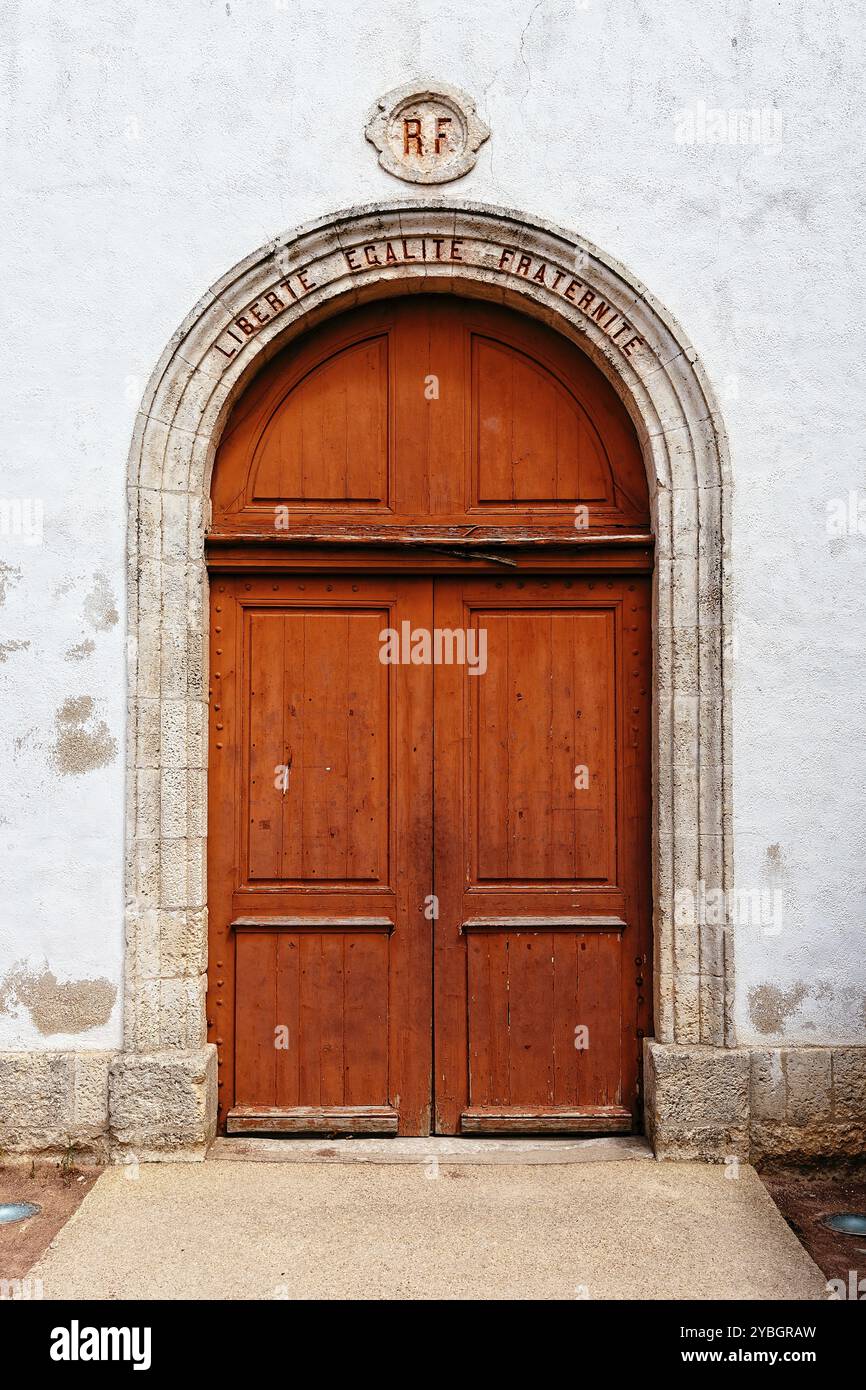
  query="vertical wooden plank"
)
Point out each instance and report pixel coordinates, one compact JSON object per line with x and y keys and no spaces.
{"x":634,"y":681}
{"x":533,"y":431}
{"x":594,"y":727}
{"x":444,"y":408}
{"x":531,"y":1017}
{"x":568,"y":458}
{"x":411,"y":416}
{"x":480,"y":1022}
{"x":562,"y":761}
{"x":499,"y":1017}
{"x":366,"y":750}
{"x":492,"y":422}
{"x":325,"y":771}
{"x":256,"y":1002}
{"x":332,"y":1006}
{"x":360,"y":440}
{"x":565,"y":1018}
{"x":285,"y":456}
{"x":549,"y":794}
{"x":266,"y":744}
{"x":611,"y":965}
{"x":338,"y":778}
{"x":594,"y":476}
{"x":492,"y":809}
{"x":366,"y":1020}
{"x":529,"y":679}
{"x":295,"y":707}
{"x":599,"y":1009}
{"x":310,"y":1018}
{"x":288,"y":1015}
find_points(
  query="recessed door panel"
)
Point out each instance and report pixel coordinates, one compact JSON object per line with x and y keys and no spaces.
{"x":544,"y":1018}
{"x":313,"y":1029}
{"x":318,"y":745}
{"x":543,"y":729}
{"x":533,"y":442}
{"x":325,"y":443}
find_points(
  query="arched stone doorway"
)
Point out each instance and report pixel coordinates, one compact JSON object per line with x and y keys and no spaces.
{"x":163,"y":1089}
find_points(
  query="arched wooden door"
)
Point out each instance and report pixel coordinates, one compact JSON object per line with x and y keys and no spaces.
{"x":429,"y":786}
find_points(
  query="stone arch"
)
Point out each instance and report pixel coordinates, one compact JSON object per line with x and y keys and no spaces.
{"x":163,"y":1085}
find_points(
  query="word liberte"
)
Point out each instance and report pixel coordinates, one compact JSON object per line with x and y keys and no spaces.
{"x":438,"y":646}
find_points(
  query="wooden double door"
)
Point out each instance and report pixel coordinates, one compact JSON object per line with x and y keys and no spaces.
{"x":429,"y":850}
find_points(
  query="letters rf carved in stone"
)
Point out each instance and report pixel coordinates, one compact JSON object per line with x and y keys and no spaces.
{"x":431,"y":135}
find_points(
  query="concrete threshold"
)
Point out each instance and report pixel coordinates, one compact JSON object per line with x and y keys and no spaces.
{"x":450,"y":1149}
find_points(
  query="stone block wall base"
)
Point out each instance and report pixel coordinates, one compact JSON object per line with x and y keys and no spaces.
{"x":162,"y":1104}
{"x":54,"y":1103}
{"x":795,"y":1104}
{"x":808,"y":1103}
{"x":696,"y":1101}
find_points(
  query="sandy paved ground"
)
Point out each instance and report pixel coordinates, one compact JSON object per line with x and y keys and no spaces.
{"x":322,"y":1231}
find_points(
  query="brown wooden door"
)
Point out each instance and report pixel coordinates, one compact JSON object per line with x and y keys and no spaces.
{"x":428,"y":888}
{"x":541,"y":858}
{"x":331,"y":918}
{"x":320,"y":856}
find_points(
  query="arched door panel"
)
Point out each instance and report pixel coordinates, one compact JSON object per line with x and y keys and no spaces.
{"x":431,"y":410}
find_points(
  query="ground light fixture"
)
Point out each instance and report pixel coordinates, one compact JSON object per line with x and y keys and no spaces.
{"x":17,"y":1211}
{"x":850,"y":1223}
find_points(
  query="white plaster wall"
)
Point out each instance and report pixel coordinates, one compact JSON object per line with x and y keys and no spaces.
{"x":152,"y":146}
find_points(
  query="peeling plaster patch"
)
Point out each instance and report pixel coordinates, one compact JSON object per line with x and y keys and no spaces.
{"x":70,"y":1006}
{"x":770,"y":1006}
{"x":80,"y":748}
{"x":14,"y":646}
{"x":99,"y":609}
{"x":775,"y":859}
{"x":9,"y":574}
{"x":81,"y":651}
{"x":60,"y":590}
